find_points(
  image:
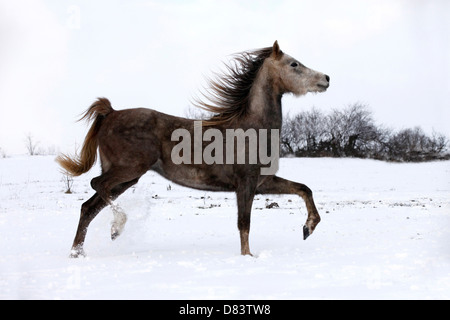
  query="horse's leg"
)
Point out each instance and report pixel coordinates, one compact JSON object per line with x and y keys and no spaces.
{"x":277,"y":185}
{"x":121,"y":178}
{"x":245,"y":194}
{"x":120,"y":218}
{"x":118,"y":224}
{"x":89,"y":211}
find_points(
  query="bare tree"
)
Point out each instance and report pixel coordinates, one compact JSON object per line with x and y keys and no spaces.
{"x":67,"y":179}
{"x":289,"y":136}
{"x":352,"y":132}
{"x":438,"y":143}
{"x":31,"y":144}
{"x":313,"y":129}
{"x":301,"y":135}
{"x":415,"y":145}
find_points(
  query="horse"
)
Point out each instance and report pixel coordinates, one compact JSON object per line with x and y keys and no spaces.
{"x":247,"y":96}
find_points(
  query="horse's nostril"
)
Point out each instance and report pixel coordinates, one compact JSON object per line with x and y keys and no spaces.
{"x":327,"y":77}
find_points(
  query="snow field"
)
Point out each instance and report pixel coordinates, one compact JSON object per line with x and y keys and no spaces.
{"x":384,"y":235}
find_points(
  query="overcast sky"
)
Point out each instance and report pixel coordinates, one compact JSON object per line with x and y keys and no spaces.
{"x":57,"y":56}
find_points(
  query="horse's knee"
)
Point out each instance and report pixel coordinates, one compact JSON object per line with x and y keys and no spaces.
{"x":305,"y":191}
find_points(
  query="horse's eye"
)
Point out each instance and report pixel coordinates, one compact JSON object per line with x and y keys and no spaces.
{"x":294,"y":64}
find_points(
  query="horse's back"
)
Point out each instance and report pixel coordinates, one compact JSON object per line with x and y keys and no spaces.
{"x":135,"y":137}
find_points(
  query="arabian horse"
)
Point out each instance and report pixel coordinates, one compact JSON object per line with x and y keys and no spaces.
{"x":130,"y":142}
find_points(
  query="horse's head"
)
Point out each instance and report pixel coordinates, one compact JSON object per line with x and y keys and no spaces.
{"x":290,"y":76}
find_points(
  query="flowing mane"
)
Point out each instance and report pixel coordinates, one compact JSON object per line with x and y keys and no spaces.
{"x":229,"y":94}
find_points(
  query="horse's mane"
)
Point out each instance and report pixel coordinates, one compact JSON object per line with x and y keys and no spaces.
{"x":229,"y":94}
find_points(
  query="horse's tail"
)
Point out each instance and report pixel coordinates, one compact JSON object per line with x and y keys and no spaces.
{"x":82,"y":163}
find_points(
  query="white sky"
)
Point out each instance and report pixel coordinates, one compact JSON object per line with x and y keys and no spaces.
{"x":57,"y":56}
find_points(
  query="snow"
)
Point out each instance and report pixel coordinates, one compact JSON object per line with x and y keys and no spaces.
{"x":384,"y":235}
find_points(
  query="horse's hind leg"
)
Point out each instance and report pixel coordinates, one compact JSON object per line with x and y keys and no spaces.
{"x":120,"y":218}
{"x":277,"y":185}
{"x":89,"y":211}
{"x":109,"y":186}
{"x":118,"y":224}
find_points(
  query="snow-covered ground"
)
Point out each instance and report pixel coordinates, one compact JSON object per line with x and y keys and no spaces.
{"x":385,"y":234}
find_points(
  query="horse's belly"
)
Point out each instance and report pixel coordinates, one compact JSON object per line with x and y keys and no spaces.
{"x":202,"y":177}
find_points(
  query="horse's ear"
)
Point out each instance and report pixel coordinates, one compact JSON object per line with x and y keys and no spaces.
{"x":276,"y":52}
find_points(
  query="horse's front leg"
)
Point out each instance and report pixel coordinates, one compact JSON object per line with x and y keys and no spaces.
{"x":245,"y":194}
{"x":277,"y":185}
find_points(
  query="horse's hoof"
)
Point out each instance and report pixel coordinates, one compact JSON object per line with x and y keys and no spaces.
{"x":114,"y":235}
{"x":115,"y":232}
{"x":306,"y":232}
{"x":76,"y":253}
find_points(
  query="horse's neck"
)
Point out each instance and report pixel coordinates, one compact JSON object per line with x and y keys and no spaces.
{"x":265,"y":107}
